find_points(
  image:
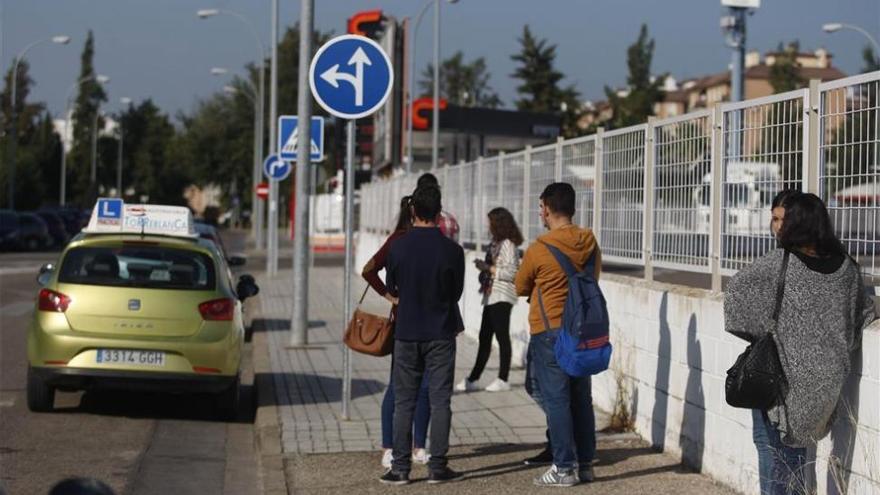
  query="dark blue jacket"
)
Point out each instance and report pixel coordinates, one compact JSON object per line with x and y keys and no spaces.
{"x":426,"y":271}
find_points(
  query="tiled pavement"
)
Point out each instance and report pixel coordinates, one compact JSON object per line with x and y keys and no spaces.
{"x":308,"y":382}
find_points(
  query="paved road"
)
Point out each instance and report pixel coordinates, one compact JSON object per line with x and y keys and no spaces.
{"x":139,"y":444}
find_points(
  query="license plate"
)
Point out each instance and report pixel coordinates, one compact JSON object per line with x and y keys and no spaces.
{"x":126,"y":356}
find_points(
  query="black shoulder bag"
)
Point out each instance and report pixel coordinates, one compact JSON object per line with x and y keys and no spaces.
{"x":757,"y":380}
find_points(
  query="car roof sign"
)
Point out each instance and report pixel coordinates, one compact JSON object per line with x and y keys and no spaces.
{"x":113,"y":216}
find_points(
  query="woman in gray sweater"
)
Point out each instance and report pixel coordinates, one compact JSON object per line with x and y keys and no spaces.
{"x":824,"y":309}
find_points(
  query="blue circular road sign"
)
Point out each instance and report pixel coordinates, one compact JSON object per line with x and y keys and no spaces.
{"x":351,"y":76}
{"x":275,"y":168}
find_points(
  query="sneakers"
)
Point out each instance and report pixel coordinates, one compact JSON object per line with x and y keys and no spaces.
{"x":420,"y":456}
{"x":585,"y":474}
{"x":557,"y":477}
{"x":498,"y":385}
{"x":543,"y":458}
{"x":466,"y":386}
{"x":387,"y":458}
{"x":444,"y":476}
{"x":392,"y":478}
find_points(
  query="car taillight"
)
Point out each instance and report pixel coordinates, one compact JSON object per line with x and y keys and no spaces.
{"x":217,"y":310}
{"x":54,"y":302}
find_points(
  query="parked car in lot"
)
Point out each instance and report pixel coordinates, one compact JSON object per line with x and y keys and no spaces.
{"x":9,"y":230}
{"x":56,"y":226}
{"x":33,"y":233}
{"x":138,"y":301}
{"x":73,"y":220}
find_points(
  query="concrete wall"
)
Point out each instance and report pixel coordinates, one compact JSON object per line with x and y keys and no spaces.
{"x":670,"y":359}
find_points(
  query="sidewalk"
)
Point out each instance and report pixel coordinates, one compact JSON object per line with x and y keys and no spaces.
{"x":491,"y":432}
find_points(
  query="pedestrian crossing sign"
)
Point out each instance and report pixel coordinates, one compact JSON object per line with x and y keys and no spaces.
{"x":288,"y":138}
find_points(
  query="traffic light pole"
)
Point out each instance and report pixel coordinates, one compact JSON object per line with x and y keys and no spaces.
{"x":272,"y":227}
{"x":299,"y":323}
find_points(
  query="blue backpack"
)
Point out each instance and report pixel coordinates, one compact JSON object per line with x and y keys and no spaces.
{"x":583,"y":347}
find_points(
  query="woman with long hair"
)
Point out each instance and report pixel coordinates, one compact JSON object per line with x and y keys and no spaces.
{"x":423,"y":407}
{"x":497,"y":274}
{"x":824,"y":308}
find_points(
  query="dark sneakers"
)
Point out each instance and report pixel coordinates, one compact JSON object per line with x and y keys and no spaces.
{"x":544,"y":458}
{"x":392,"y":478}
{"x":444,"y":476}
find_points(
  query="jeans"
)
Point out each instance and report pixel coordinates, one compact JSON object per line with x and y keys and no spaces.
{"x":567,"y":402}
{"x":532,"y":385}
{"x":780,"y":467}
{"x":496,"y":322}
{"x":422,"y":414}
{"x":412,"y":360}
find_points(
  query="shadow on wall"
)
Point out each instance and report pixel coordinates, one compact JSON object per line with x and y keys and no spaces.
{"x":693,"y":423}
{"x":844,"y":431}
{"x":661,"y":388}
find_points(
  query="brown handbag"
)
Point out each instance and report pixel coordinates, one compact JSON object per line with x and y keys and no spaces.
{"x":368,"y":333}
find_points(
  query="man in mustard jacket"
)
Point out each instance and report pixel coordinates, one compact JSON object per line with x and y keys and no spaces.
{"x":566,"y":400}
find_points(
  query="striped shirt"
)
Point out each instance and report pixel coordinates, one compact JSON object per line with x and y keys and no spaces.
{"x":506,"y":263}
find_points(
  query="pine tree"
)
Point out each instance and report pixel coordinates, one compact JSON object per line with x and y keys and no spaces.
{"x":785,"y":71}
{"x":461,"y":83}
{"x":643,"y":90}
{"x":540,"y":90}
{"x":871,"y":60}
{"x":88,"y":101}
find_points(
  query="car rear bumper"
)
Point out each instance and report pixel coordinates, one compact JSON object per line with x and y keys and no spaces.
{"x":91,"y":379}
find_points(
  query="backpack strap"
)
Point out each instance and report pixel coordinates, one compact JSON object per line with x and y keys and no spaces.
{"x":543,"y":313}
{"x":562,"y":259}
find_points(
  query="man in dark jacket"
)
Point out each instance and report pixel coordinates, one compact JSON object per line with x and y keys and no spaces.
{"x":425,"y":270}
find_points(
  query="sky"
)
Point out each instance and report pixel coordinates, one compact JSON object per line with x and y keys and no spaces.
{"x":159,"y":49}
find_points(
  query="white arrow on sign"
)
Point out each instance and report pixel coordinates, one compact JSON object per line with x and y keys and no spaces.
{"x":333,"y":76}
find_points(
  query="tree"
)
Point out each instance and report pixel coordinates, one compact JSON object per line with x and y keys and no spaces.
{"x":871,"y":59}
{"x":88,"y":101}
{"x":27,"y":124}
{"x":785,"y":71}
{"x":540,"y":90}
{"x":643,"y":91}
{"x":463,"y":84}
{"x":151,"y":168}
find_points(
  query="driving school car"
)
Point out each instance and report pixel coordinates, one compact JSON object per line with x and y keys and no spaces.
{"x":138,"y":301}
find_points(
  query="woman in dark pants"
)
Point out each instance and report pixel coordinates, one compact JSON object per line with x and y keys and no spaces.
{"x":423,"y":407}
{"x":499,"y":295}
{"x":824,"y":309}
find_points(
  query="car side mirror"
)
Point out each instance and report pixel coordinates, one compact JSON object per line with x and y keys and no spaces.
{"x":236,"y":260}
{"x":246,"y":287}
{"x":45,"y":273}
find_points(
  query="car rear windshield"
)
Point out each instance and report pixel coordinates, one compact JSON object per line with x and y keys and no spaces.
{"x":148,"y":267}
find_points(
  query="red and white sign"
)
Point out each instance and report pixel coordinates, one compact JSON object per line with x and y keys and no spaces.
{"x":262,"y":190}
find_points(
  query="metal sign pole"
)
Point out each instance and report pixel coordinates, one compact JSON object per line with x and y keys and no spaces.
{"x":349,"y":230}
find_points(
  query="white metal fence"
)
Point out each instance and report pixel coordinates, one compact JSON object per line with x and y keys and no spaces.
{"x":688,"y":193}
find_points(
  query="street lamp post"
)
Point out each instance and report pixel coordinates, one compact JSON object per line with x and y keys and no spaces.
{"x":257,"y":221}
{"x":435,"y":128}
{"x":832,"y":27}
{"x":125,"y":101}
{"x":13,"y":134}
{"x":62,"y":200}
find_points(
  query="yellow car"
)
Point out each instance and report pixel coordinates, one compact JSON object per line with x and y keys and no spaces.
{"x":138,"y":301}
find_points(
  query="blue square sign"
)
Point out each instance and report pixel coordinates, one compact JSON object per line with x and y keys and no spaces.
{"x":288,"y":138}
{"x":110,"y":211}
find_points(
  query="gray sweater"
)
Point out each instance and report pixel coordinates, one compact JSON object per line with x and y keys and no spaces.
{"x":820,"y":325}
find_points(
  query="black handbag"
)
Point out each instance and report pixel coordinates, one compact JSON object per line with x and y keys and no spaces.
{"x":757,"y":380}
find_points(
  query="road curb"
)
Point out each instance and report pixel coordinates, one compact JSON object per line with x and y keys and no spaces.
{"x":267,"y":429}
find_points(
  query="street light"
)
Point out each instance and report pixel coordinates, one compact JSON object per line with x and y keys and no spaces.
{"x":13,"y":135}
{"x":833,"y":27}
{"x":256,"y":223}
{"x":125,"y":101}
{"x":219,"y":71}
{"x":435,"y":129}
{"x":102,"y":79}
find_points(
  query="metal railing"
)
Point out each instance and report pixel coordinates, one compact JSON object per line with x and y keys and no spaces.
{"x":691,"y":192}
